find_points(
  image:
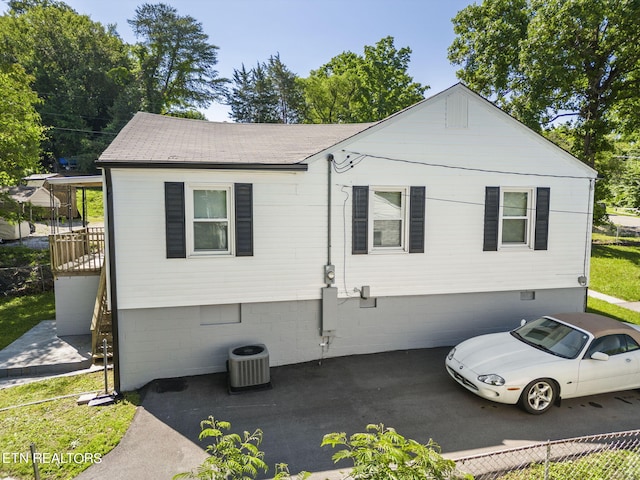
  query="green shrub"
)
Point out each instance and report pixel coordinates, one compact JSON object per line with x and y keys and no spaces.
{"x":384,"y":454}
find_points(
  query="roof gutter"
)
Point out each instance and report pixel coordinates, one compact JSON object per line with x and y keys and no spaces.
{"x":291,"y":167}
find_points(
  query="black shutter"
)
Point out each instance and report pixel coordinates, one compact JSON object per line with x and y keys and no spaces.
{"x":542,"y":218}
{"x":174,"y":219}
{"x":416,"y":220}
{"x":491,"y":218}
{"x":360,"y":221}
{"x":244,"y":219}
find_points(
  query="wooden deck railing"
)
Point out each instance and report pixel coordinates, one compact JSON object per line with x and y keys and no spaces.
{"x":80,"y":252}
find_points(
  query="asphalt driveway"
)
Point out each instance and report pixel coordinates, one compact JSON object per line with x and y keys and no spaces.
{"x":407,"y":390}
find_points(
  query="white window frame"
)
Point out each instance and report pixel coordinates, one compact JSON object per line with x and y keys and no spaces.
{"x":529,"y":217}
{"x":190,"y":220}
{"x":404,"y":212}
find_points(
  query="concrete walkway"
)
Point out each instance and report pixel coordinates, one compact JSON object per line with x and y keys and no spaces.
{"x":40,"y":353}
{"x":635,"y":306}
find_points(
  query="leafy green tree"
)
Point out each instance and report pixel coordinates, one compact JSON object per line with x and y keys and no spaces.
{"x":331,"y":91}
{"x":70,"y":58}
{"x":546,"y":59}
{"x":384,"y":454}
{"x":176,"y":60}
{"x":625,"y":178}
{"x":21,"y":133}
{"x":20,"y":128}
{"x":353,"y":88}
{"x":387,"y":87}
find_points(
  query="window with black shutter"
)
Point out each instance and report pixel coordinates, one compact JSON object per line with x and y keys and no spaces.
{"x":388,"y":219}
{"x":416,"y":220}
{"x":542,"y":218}
{"x":360,"y":220}
{"x":200,"y":221}
{"x":244,"y":219}
{"x":491,"y":218}
{"x":516,"y":217}
{"x":175,"y":220}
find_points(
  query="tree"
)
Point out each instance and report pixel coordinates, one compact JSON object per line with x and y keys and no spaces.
{"x":268,"y":93}
{"x":331,"y":91}
{"x":353,"y":88}
{"x":70,"y":58}
{"x":20,"y":129}
{"x":287,"y":89}
{"x":240,"y":96}
{"x":547,"y":59}
{"x":176,"y":60}
{"x":386,"y":85}
{"x":625,"y":179}
{"x":20,"y":132}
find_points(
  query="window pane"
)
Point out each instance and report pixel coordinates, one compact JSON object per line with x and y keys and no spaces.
{"x":210,"y":236}
{"x":387,"y":233}
{"x":210,"y":204}
{"x":514,"y":231}
{"x":387,"y":205}
{"x":515,"y":204}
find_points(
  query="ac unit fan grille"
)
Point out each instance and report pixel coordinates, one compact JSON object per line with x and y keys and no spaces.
{"x":249,"y":367}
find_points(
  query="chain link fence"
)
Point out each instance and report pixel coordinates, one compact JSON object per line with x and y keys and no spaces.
{"x":18,"y":281}
{"x":613,"y":456}
{"x":619,"y":232}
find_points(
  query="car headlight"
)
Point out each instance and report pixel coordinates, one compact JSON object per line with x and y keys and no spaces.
{"x":492,"y":379}
{"x":451,"y":353}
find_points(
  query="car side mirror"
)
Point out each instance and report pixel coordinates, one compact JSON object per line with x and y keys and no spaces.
{"x":523,"y":322}
{"x":600,"y":356}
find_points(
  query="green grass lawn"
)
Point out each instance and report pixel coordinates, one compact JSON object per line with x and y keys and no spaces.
{"x":95,"y":209}
{"x":71,"y":436}
{"x":615,"y":271}
{"x":614,"y":311}
{"x":19,"y":314}
{"x":19,"y":256}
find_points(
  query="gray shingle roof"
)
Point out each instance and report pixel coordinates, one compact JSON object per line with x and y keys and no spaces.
{"x":151,"y":138}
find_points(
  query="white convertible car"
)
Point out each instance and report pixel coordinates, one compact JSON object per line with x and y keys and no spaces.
{"x":557,"y":356}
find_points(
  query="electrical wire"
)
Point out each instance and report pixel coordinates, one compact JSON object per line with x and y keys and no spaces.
{"x":480,"y":204}
{"x":83,"y":131}
{"x":360,"y":156}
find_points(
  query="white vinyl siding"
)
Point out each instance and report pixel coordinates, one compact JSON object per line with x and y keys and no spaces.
{"x":290,"y":219}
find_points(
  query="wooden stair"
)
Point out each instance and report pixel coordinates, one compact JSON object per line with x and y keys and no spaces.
{"x":101,"y":327}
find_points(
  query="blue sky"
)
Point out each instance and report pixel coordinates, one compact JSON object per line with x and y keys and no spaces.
{"x":307,"y":33}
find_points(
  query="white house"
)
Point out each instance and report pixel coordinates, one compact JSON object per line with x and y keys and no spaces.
{"x":446,"y":220}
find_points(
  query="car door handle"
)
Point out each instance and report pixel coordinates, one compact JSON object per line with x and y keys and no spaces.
{"x":628,"y":360}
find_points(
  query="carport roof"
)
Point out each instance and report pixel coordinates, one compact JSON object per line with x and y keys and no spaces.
{"x":150,"y":139}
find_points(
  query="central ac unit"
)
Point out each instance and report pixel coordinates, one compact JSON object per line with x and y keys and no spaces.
{"x":248,"y":368}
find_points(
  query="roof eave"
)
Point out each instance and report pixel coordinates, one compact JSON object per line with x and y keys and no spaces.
{"x":290,"y":167}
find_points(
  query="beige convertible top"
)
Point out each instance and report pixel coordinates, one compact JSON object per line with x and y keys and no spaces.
{"x":598,"y":325}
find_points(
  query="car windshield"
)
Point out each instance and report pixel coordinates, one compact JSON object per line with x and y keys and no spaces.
{"x":552,"y":337}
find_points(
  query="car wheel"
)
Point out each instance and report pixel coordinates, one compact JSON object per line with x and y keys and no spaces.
{"x":539,"y":396}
